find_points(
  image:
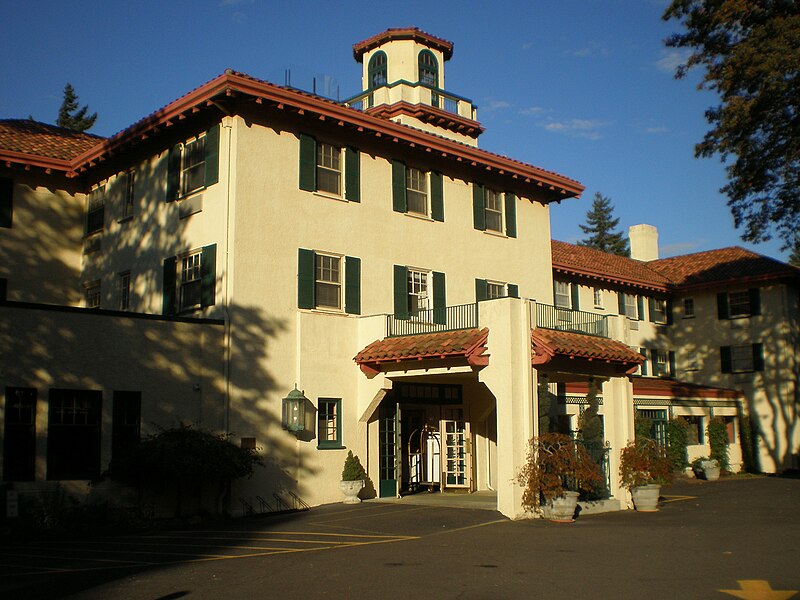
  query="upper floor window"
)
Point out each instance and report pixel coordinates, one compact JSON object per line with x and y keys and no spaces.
{"x":418,"y":284}
{"x":95,"y":209}
{"x":6,"y":201}
{"x":692,"y":361}
{"x":92,"y":294}
{"x":416,"y":291}
{"x":416,"y":191}
{"x":739,"y":303}
{"x":630,"y":305}
{"x":598,"y":298}
{"x":494,"y":211}
{"x":488,"y":290}
{"x":376,"y":71}
{"x":191,"y":281}
{"x":660,"y":363}
{"x":495,"y":290}
{"x":745,"y":358}
{"x":125,"y":290}
{"x":428,"y":69}
{"x":562,"y":294}
{"x":328,"y":284}
{"x":658,"y":310}
{"x":130,"y":191}
{"x":328,"y":281}
{"x":193,"y":164}
{"x":688,"y":307}
{"x":329,"y":423}
{"x":330,"y":169}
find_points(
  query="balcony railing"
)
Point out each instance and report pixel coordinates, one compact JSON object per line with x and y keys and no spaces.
{"x":565,"y":319}
{"x":432,"y":320}
{"x":438,"y":98}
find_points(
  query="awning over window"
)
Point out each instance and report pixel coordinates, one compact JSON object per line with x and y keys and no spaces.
{"x":465,"y":346}
{"x":577,"y":352}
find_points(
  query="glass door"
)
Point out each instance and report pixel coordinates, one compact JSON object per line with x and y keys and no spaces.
{"x":457,"y":453}
{"x":387,"y":452}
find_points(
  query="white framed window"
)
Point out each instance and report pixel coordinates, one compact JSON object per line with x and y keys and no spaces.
{"x":417,"y":191}
{"x":129,"y":194}
{"x":688,"y":308}
{"x":659,"y":310}
{"x":563,"y":297}
{"x":742,"y":359}
{"x":329,"y":425}
{"x":191,"y":281}
{"x":495,"y":290}
{"x":328,"y":281}
{"x":660,"y":363}
{"x":739,"y":303}
{"x":418,"y":287}
{"x":124,"y":282}
{"x":494,"y":211}
{"x":193,"y":164}
{"x":598,"y":298}
{"x":92,"y":294}
{"x":95,"y":209}
{"x":329,"y":169}
{"x":631,"y":309}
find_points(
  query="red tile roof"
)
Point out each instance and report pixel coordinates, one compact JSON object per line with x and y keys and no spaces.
{"x":469,"y":344}
{"x":594,"y":264}
{"x":402,"y":33}
{"x":646,"y":386}
{"x":40,"y":139}
{"x":548,"y":343}
{"x":724,"y":264}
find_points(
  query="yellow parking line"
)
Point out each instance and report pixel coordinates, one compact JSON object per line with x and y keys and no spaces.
{"x":668,"y":498}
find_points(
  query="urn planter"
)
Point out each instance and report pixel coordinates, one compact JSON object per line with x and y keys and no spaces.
{"x":645,"y":497}
{"x":562,"y":509}
{"x":350,"y":489}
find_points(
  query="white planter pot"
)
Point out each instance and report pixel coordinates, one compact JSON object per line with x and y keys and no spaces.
{"x":645,"y":497}
{"x":710,"y":470}
{"x":562,"y":509}
{"x":350,"y":490}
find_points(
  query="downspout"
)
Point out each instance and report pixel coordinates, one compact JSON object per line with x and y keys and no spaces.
{"x":227,"y":292}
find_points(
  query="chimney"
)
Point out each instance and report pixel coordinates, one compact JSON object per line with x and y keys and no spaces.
{"x":644,"y":242}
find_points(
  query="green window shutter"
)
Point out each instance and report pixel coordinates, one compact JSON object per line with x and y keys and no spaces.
{"x":308,"y":163}
{"x":651,"y":308}
{"x":621,"y":303}
{"x":399,"y":203}
{"x":439,"y":299}
{"x":574,"y":291}
{"x":640,"y":306}
{"x":208,"y":274}
{"x":511,"y":215}
{"x":672,"y":363}
{"x":669,"y":311}
{"x":758,"y":357}
{"x":437,"y":196}
{"x":352,"y":285}
{"x":400,"y":292}
{"x":6,"y":201}
{"x":352,"y":174}
{"x":478,"y":207}
{"x":3,"y":289}
{"x":212,"y":156}
{"x":305,"y":278}
{"x":481,"y":290}
{"x":513,"y":290}
{"x":173,"y":173}
{"x":643,"y":352}
{"x":725,"y":359}
{"x":722,"y":309}
{"x":169,"y":292}
{"x":755,"y":301}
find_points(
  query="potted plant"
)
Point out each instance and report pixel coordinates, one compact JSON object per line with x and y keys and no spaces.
{"x":708,"y":467}
{"x":556,"y":470}
{"x":644,"y":468}
{"x":353,"y":476}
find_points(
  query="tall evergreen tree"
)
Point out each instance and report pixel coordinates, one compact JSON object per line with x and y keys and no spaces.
{"x":600,"y":226}
{"x":72,"y":117}
{"x":794,"y":257}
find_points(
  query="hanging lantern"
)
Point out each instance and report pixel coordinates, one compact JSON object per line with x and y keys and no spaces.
{"x":294,"y":411}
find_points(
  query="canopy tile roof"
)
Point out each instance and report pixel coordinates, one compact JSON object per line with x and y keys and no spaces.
{"x":723,"y":264}
{"x":595,"y":264}
{"x":549,"y":343}
{"x":469,"y":344}
{"x":23,"y":137}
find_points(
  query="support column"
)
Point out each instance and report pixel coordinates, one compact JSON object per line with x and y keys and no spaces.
{"x":618,"y":424}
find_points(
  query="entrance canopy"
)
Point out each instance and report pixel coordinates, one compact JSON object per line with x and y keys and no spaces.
{"x":576,"y":352}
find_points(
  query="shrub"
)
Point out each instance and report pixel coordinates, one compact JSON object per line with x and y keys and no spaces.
{"x":643,"y":462}
{"x":678,"y":440}
{"x":643,"y":428}
{"x":554,"y":465}
{"x":353,"y":469}
{"x":718,"y":441}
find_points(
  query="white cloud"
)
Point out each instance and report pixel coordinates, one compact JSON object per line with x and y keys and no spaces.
{"x":533,"y":110}
{"x":239,"y":17}
{"x":672,"y":59}
{"x":655,"y":130}
{"x":527,"y":45}
{"x":582,"y":128}
{"x":493,"y":104}
{"x":593,"y":49}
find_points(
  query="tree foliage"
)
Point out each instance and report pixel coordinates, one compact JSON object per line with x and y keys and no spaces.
{"x":750,"y":52}
{"x":794,"y":257}
{"x":72,"y":117}
{"x":600,"y":225}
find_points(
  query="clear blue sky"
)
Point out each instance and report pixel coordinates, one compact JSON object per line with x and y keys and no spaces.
{"x":581,"y":87}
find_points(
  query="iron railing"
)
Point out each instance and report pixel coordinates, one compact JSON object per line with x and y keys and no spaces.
{"x":438,"y":98}
{"x":599,"y":452}
{"x":566,"y":319}
{"x":432,"y":320}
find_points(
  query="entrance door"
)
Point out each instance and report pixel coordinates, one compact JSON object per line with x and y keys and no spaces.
{"x":19,"y":441}
{"x":457,"y":452}
{"x":387,"y":451}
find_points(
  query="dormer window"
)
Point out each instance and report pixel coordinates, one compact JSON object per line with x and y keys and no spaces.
{"x":376,"y":71}
{"x":428,"y":69}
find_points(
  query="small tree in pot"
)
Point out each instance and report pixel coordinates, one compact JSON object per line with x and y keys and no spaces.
{"x":555,"y":472}
{"x":353,"y":477}
{"x":644,"y":468}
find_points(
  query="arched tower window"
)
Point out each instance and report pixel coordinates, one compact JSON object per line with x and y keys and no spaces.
{"x":376,"y":70}
{"x":428,"y":69}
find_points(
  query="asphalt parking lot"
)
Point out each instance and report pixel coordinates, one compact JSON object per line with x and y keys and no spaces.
{"x":739,"y":535}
